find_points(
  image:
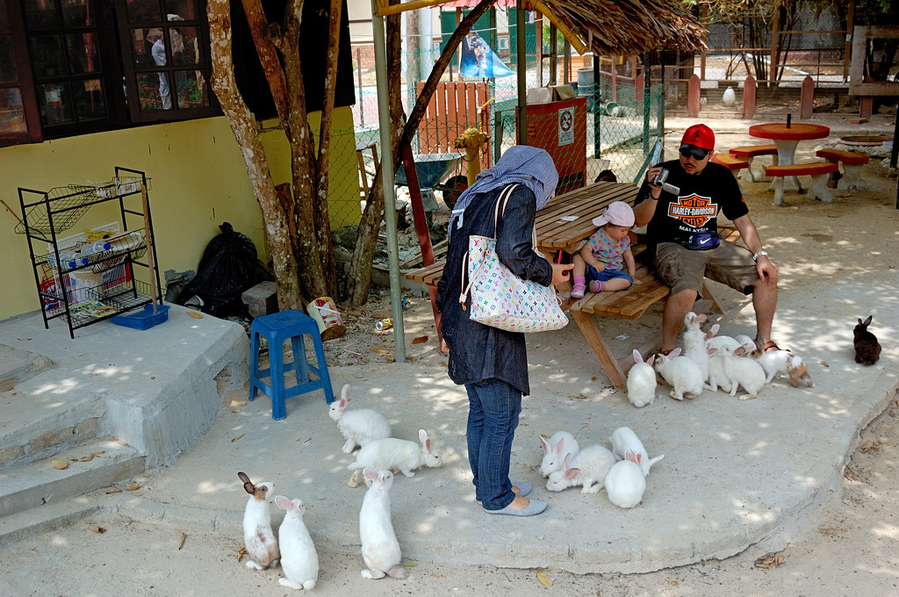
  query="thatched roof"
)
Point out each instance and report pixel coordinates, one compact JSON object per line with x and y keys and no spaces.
{"x":613,"y":26}
{"x":629,"y":26}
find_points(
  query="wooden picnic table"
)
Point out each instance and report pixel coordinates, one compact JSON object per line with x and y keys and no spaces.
{"x":568,"y":218}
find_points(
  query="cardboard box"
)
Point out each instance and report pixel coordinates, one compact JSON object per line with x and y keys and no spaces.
{"x":562,"y":92}
{"x":540,"y":95}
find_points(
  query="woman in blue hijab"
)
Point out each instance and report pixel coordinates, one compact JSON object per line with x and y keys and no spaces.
{"x":489,"y":362}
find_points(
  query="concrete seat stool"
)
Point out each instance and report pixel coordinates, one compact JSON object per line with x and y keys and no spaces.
{"x":277,"y":328}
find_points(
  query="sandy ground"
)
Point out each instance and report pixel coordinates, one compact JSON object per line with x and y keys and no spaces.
{"x":853,"y":549}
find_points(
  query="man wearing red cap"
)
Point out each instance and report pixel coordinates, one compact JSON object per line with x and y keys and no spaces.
{"x":682,"y":218}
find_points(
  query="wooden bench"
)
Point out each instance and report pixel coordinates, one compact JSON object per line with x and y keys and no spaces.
{"x":631,"y":304}
{"x":555,"y":234}
{"x":749,"y":153}
{"x":852,"y":167}
{"x":819,"y":172}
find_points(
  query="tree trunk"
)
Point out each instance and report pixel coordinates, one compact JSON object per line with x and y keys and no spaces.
{"x":243,"y":125}
{"x":367,"y":234}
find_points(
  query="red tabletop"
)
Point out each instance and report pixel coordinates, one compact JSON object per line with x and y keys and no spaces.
{"x":797,"y":131}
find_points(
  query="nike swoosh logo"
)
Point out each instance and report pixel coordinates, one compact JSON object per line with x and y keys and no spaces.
{"x":704,"y":241}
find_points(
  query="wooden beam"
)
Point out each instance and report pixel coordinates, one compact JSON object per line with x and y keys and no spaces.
{"x":573,"y":39}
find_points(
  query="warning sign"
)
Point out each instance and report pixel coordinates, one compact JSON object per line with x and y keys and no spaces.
{"x":566,"y":126}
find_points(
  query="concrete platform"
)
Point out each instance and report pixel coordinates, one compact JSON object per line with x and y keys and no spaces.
{"x":735,"y":473}
{"x":155,"y":389}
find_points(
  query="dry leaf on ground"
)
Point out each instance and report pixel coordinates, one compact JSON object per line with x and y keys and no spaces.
{"x":59,"y":464}
{"x":194,"y":314}
{"x":771,"y":560}
{"x":544,"y":579}
{"x":420,"y":340}
{"x":234,"y":439}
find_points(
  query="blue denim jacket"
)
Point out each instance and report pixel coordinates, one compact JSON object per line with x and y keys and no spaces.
{"x":479,"y":352}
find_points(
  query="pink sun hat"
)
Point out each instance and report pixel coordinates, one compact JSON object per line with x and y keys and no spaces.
{"x":616,"y":214}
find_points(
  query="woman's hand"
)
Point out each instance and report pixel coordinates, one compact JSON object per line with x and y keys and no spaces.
{"x":560,"y":272}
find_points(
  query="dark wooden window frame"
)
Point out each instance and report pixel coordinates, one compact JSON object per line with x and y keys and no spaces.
{"x":25,"y":83}
{"x":118,"y":68}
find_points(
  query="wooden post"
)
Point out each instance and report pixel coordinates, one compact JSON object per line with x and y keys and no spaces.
{"x":693,"y":95}
{"x":638,"y":88}
{"x":775,"y":45}
{"x":807,"y":98}
{"x":749,"y":98}
{"x":850,"y":18}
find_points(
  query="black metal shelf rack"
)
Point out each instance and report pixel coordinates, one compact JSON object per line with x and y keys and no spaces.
{"x":47,"y":214}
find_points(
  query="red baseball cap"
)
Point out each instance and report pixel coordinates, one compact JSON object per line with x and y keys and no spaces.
{"x":701,"y":136}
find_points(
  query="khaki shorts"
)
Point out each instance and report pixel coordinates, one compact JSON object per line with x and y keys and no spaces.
{"x":683,"y":269}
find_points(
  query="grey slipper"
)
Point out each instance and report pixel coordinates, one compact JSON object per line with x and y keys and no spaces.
{"x":534,"y":508}
{"x":524,"y":488}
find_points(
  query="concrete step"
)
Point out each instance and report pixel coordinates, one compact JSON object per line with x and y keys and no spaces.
{"x":39,"y":483}
{"x":47,"y":518}
{"x":17,"y":364}
{"x":44,"y":415}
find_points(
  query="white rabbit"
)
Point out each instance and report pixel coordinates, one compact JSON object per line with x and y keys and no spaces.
{"x":744,"y":340}
{"x":391,"y":453}
{"x":717,"y":376}
{"x":624,"y":440}
{"x":588,"y":468}
{"x":380,"y":549}
{"x":681,"y":373}
{"x":783,"y":361}
{"x":641,"y":381}
{"x":625,"y":483}
{"x":694,"y":340}
{"x":559,"y":445}
{"x":258,"y":537}
{"x":299,"y":560}
{"x":720,"y":342}
{"x":358,"y":426}
{"x":743,"y":372}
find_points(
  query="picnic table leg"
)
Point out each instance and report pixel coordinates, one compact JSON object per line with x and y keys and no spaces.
{"x":786,"y":153}
{"x":593,"y":335}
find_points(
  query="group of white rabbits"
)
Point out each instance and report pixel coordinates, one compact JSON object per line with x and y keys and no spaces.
{"x":378,"y":453}
{"x":710,"y":362}
{"x":622,"y":471}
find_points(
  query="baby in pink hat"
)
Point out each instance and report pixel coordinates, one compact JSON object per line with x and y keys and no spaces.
{"x":606,"y":261}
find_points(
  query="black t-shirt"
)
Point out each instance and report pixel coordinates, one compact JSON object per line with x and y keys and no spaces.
{"x":695,"y":209}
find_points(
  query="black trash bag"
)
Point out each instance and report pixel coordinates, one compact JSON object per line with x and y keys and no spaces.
{"x":226,"y":270}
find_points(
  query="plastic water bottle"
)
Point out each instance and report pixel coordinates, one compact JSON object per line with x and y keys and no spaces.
{"x":90,"y":249}
{"x":67,"y":259}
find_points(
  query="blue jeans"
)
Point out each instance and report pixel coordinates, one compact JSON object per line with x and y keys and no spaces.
{"x":493,"y":412}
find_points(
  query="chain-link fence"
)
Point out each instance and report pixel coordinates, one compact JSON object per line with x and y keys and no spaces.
{"x":605,"y":126}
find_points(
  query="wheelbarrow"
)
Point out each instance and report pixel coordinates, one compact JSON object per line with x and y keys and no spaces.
{"x":432,"y":170}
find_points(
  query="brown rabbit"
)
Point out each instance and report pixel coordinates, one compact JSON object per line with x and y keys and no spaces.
{"x":867,"y":349}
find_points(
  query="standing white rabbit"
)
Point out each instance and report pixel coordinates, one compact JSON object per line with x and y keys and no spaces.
{"x":625,"y":483}
{"x":717,"y":376}
{"x":681,"y":373}
{"x":380,"y":549}
{"x":299,"y":560}
{"x":695,"y":339}
{"x":588,"y":468}
{"x":393,"y":453}
{"x":785,"y":362}
{"x":560,"y":445}
{"x":624,"y":440}
{"x":743,"y":371}
{"x":258,"y":537}
{"x":358,"y":426}
{"x":641,"y":381}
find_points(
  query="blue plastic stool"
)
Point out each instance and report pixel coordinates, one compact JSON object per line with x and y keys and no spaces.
{"x":277,"y":328}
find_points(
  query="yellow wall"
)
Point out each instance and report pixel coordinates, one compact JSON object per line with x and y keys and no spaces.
{"x":198,"y":181}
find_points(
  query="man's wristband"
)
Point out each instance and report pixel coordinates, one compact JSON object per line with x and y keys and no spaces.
{"x":756,"y":256}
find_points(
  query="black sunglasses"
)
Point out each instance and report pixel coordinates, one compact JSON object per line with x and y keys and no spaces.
{"x":698,"y":153}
